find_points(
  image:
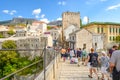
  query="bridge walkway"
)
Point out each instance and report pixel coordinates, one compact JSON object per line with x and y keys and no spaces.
{"x":69,"y":71}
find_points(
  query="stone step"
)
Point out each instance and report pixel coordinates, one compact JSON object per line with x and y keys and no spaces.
{"x":69,"y":71}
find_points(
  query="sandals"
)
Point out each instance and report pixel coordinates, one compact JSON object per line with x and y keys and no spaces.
{"x":90,"y":76}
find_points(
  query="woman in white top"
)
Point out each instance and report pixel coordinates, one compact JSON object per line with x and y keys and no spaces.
{"x":104,"y":60}
{"x":71,"y":53}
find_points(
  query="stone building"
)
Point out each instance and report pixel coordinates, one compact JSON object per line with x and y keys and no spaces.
{"x":21,"y":33}
{"x":37,"y":28}
{"x":56,"y":36}
{"x":70,"y":23}
{"x":86,"y":39}
{"x":4,"y":31}
{"x":111,"y":30}
{"x":29,"y":42}
{"x":70,"y":18}
{"x":69,"y":30}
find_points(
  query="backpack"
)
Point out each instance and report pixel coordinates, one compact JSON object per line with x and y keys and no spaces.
{"x":94,"y":62}
{"x":116,"y":74}
{"x":84,"y":53}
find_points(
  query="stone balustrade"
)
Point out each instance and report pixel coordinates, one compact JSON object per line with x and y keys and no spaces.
{"x":51,"y":70}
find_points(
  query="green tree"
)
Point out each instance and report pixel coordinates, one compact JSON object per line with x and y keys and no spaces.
{"x":49,"y":27}
{"x":7,"y":58}
{"x":9,"y":44}
{"x":81,"y":23}
{"x":117,"y":40}
{"x":10,"y":61}
{"x":11,"y":32}
{"x":1,"y":35}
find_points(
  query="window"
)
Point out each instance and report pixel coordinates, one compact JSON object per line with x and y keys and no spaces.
{"x":20,"y":45}
{"x":110,"y":29}
{"x":116,"y":30}
{"x":98,"y":30}
{"x":72,"y":37}
{"x":113,"y":38}
{"x":110,"y":38}
{"x":102,"y":30}
{"x":95,"y":44}
{"x":113,"y":30}
{"x":84,"y":45}
{"x":36,"y":45}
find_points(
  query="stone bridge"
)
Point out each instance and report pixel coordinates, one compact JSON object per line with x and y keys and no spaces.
{"x":60,"y":70}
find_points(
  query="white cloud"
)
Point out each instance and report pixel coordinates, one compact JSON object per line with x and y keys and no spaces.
{"x":20,"y":16}
{"x":37,"y":16}
{"x":85,"y":19}
{"x":45,"y":20}
{"x":113,"y":7}
{"x":43,"y":15}
{"x":36,"y":11}
{"x":5,"y":11}
{"x":13,"y":12}
{"x":62,"y":3}
{"x":59,"y":18}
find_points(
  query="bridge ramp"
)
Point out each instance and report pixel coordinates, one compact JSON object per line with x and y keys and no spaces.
{"x":69,"y":71}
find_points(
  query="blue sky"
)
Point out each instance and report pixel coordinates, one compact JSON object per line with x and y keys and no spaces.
{"x":49,"y":10}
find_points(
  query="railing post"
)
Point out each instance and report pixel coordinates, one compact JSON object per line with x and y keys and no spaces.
{"x":45,"y":60}
{"x":54,"y":65}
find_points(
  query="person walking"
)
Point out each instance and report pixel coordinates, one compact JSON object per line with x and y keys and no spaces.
{"x":84,"y":56}
{"x":63,"y":51}
{"x":115,"y":47}
{"x":71,"y":53}
{"x":104,"y":61}
{"x":79,"y":53}
{"x":92,"y":63}
{"x":115,"y":65}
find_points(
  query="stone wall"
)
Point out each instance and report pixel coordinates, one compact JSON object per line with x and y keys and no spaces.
{"x":70,"y":18}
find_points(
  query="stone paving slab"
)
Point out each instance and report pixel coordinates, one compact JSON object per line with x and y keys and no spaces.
{"x":69,"y":71}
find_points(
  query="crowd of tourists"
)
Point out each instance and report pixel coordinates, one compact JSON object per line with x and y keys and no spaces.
{"x":108,"y":62}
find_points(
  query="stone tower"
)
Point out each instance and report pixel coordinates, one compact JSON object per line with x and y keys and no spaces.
{"x":70,"y":18}
{"x":70,"y":23}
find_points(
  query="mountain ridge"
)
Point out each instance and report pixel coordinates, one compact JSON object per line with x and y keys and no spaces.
{"x":15,"y":21}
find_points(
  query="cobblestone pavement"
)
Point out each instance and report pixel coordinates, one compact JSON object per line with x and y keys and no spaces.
{"x":69,"y":71}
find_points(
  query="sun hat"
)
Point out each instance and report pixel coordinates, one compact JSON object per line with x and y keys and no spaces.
{"x":103,"y":52}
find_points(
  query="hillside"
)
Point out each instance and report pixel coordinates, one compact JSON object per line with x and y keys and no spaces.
{"x":15,"y":21}
{"x":57,"y":23}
